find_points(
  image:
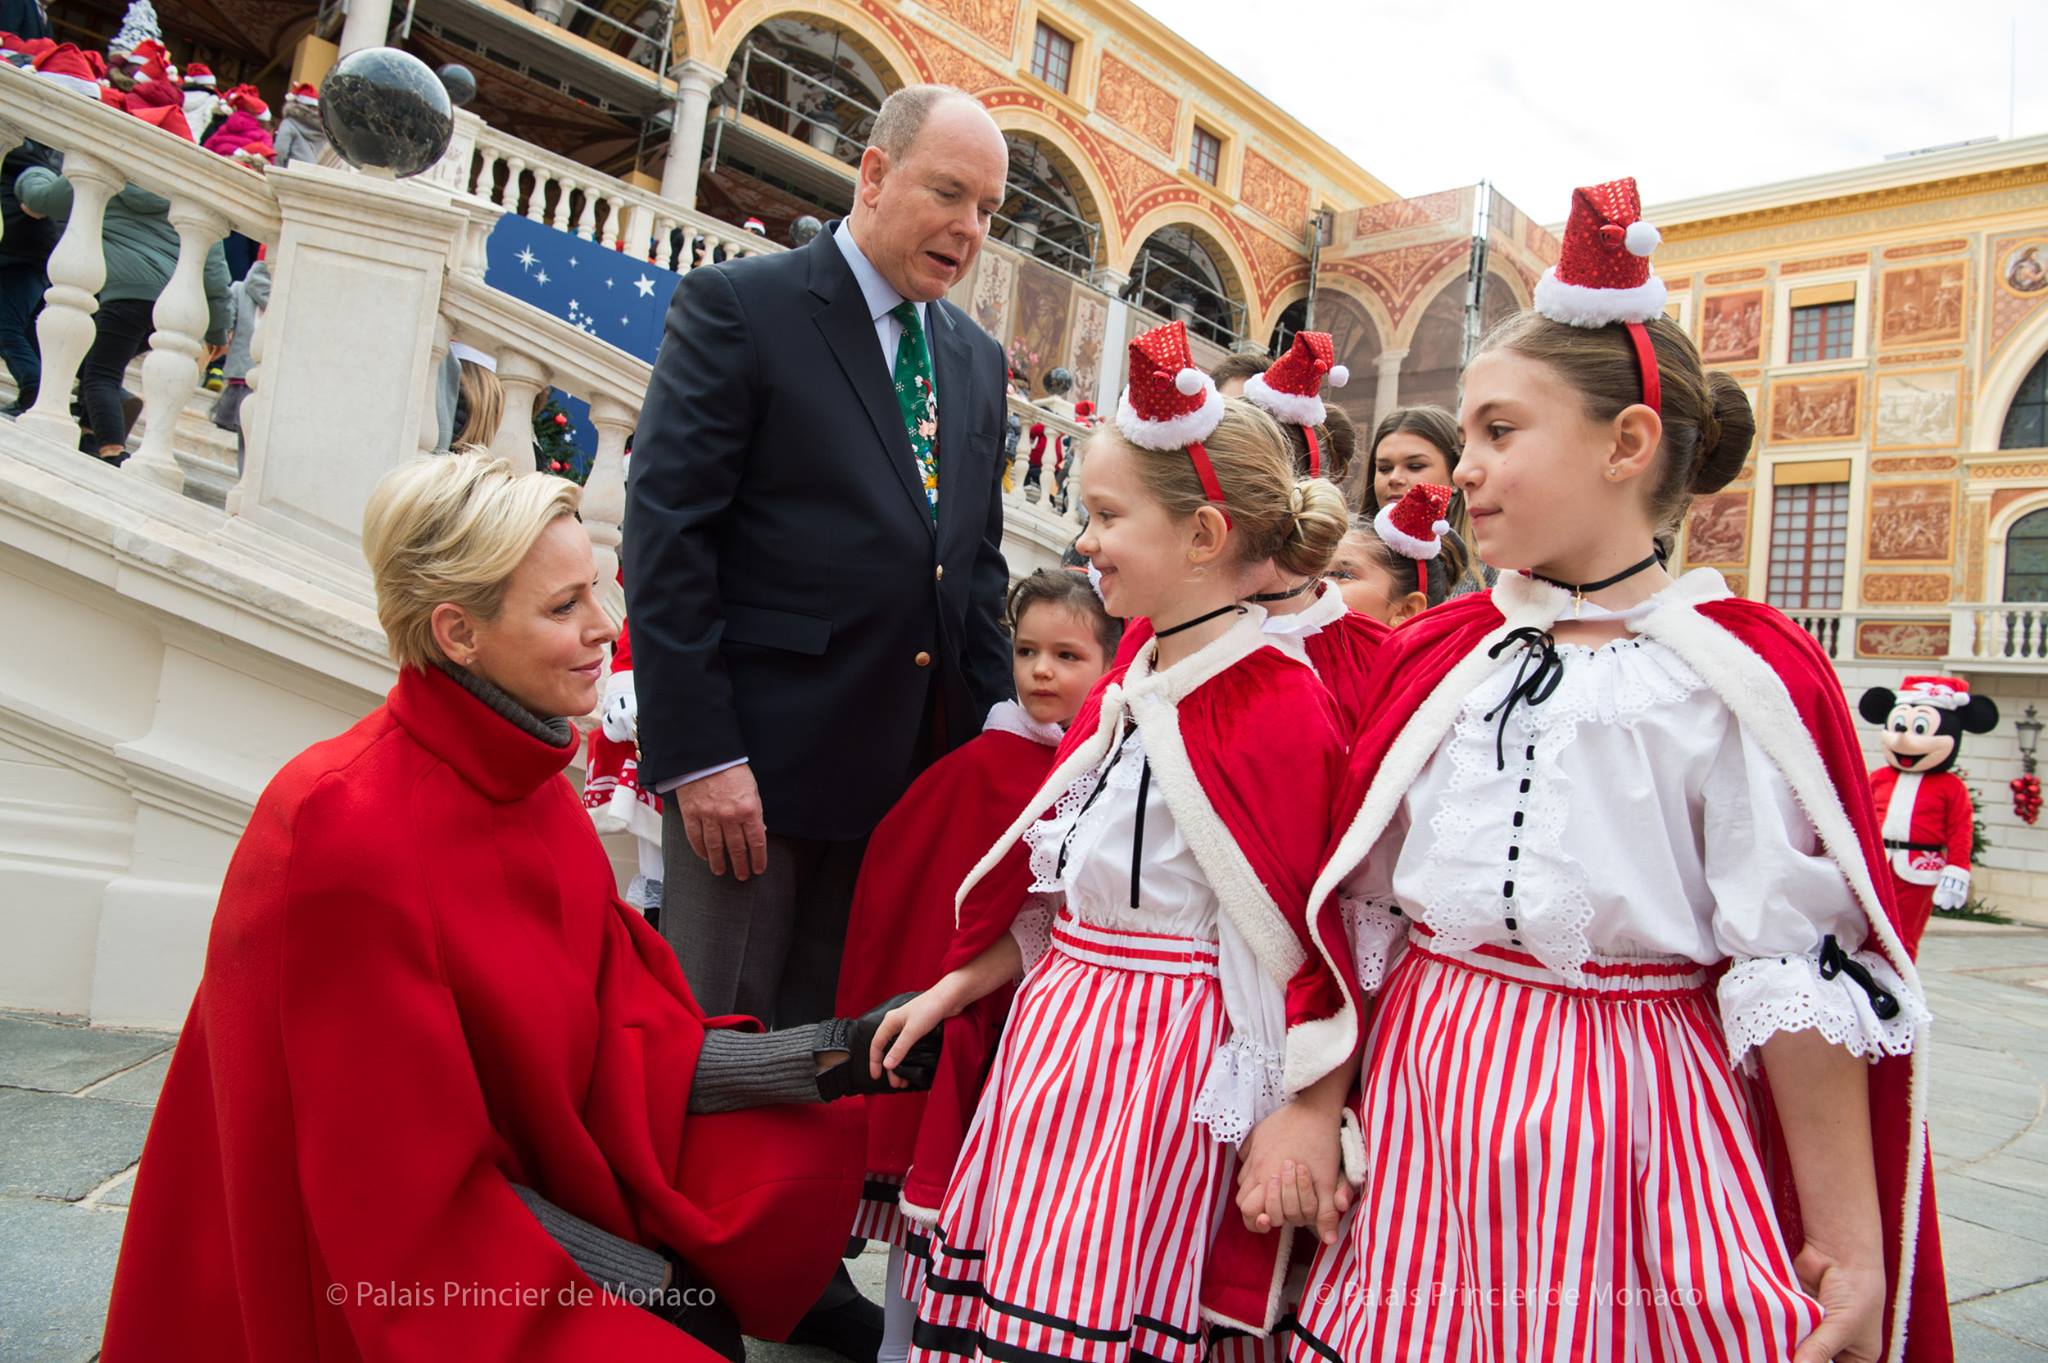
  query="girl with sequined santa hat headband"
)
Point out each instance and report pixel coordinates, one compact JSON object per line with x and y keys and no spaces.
{"x":1394,"y":566}
{"x":1306,"y":617}
{"x":1610,"y":867}
{"x":1173,"y":993}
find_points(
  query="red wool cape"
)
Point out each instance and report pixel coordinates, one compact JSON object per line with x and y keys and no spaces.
{"x":901,"y":925}
{"x":1246,"y":750}
{"x":1782,"y":689}
{"x":420,"y":989}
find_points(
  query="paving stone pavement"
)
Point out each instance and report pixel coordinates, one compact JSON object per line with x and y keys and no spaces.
{"x":75,"y":1102}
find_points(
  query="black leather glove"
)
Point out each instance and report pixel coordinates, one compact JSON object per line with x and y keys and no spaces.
{"x":856,"y":1036}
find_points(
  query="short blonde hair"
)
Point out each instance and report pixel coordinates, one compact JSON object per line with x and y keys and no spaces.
{"x":452,"y":528}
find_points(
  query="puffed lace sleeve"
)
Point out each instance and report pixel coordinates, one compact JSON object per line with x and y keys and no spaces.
{"x":1033,"y":927}
{"x":1784,"y":914}
{"x":1373,"y":919}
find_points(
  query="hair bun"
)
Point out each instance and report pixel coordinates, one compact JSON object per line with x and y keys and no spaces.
{"x":1727,"y":430}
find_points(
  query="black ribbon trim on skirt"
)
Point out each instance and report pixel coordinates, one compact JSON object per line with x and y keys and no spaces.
{"x":962,"y":1342}
{"x":960,"y":1287}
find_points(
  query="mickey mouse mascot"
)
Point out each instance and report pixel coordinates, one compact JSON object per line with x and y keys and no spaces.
{"x":1923,"y":803}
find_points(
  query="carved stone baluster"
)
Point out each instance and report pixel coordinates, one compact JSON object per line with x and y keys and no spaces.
{"x":171,"y":369}
{"x":77,"y":270}
{"x":524,"y":378}
{"x":664,"y":230}
{"x":604,"y":494}
{"x":564,"y":189}
{"x":586,"y":218}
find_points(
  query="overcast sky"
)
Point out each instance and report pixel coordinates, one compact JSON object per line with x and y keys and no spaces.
{"x":1690,"y":99}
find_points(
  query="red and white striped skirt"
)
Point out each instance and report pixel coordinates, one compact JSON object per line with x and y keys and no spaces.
{"x":878,"y":1215}
{"x":1553,"y":1172}
{"x":1079,"y":1216}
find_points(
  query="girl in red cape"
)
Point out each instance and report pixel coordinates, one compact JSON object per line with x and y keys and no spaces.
{"x":901,"y":924}
{"x":1174,"y":991}
{"x":1644,"y":1076}
{"x":441,"y":1094}
{"x":1307,"y":617}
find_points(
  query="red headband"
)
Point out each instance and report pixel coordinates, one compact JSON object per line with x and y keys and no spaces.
{"x":1315,"y":453}
{"x":1206,"y":471}
{"x":1646,"y":360}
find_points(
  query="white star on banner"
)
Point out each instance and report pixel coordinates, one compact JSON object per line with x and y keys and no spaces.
{"x":541,"y":278}
{"x":609,"y":281}
{"x":572,"y":262}
{"x":527,"y":257}
{"x":645,"y":285}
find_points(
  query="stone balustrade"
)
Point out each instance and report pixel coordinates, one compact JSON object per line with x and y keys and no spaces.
{"x":519,"y":177}
{"x":209,"y":196}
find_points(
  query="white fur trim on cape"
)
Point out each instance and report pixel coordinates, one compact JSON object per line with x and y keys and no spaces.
{"x":1261,"y":1329}
{"x":1580,"y":306}
{"x":1351,"y":1145}
{"x":924,"y":1218}
{"x":1176,"y":434}
{"x":1008,"y":716}
{"x":1300,"y":409}
{"x":1383,"y":525}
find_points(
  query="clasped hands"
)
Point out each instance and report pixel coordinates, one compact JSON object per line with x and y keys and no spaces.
{"x":1290,"y":1169}
{"x":843,"y":1060}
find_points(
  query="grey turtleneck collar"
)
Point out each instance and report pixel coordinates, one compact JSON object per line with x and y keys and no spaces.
{"x":557,"y":733}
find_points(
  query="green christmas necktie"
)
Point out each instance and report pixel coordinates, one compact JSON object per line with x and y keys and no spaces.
{"x":918,"y":399}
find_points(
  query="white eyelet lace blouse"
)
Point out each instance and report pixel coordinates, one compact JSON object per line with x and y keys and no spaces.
{"x":1628,"y":815}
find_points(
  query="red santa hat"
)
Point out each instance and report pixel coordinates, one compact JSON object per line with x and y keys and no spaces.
{"x":70,"y":68}
{"x":245,"y":99}
{"x":1943,"y":693}
{"x":305,"y":93}
{"x":1291,"y":388}
{"x":1602,"y":273}
{"x":757,"y":227}
{"x":1169,"y":404}
{"x":1415,"y":526}
{"x":149,"y":53}
{"x":1084,"y":412}
{"x":200,"y":76}
{"x":169,"y":117}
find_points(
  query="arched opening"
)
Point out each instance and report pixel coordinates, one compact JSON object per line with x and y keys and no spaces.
{"x":2026,"y":558}
{"x":795,"y":83}
{"x":1049,"y":214}
{"x":1499,"y":302}
{"x":1181,"y":272}
{"x":1293,"y":318}
{"x":1356,"y":340}
{"x":2026,"y":424}
{"x":1429,"y":372}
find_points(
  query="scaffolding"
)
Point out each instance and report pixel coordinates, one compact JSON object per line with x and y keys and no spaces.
{"x":1150,"y":297}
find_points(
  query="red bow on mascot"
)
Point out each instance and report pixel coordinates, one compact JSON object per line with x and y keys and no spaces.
{"x":1924,"y":806}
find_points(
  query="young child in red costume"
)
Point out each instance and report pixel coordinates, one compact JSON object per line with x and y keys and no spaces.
{"x":1174,"y":992}
{"x":1924,"y":807}
{"x":1307,"y":617}
{"x":1645,"y":1072}
{"x":901,"y":923}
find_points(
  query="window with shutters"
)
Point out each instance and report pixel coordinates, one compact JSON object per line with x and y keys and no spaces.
{"x":1809,"y":546}
{"x":1052,"y":58}
{"x":1205,"y":157}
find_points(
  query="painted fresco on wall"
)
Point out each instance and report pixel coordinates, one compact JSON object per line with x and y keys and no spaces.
{"x":1904,"y":639}
{"x":1717,"y":530}
{"x":2025,"y":269}
{"x":1805,"y":410}
{"x":992,"y":285}
{"x":1038,"y":333}
{"x":1091,"y":321}
{"x":1921,"y":304}
{"x":1915,"y":411}
{"x":1732,"y":327}
{"x":1911,"y":523}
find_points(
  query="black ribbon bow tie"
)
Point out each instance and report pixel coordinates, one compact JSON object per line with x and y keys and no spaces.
{"x":1532,"y":687}
{"x":1835,"y":961}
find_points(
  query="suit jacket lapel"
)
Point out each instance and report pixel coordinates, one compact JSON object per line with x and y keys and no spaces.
{"x":953,"y":372}
{"x":850,"y":332}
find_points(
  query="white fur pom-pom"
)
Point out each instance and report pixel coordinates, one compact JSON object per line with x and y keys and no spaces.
{"x":1340,"y":375}
{"x":1440,"y":528}
{"x":1642,"y":238}
{"x":1189,"y":381}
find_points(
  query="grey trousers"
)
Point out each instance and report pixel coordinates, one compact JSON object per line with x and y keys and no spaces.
{"x":769,"y":946}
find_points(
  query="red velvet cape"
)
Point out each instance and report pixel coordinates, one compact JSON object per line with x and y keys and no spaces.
{"x":1263,"y":752}
{"x":1421,"y":654}
{"x":421,"y":988}
{"x":900,"y":930}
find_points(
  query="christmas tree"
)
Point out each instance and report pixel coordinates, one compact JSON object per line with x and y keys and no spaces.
{"x":553,"y":451}
{"x":139,"y":25}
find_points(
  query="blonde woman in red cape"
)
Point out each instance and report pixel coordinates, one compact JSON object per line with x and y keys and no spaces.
{"x":1645,"y":1075}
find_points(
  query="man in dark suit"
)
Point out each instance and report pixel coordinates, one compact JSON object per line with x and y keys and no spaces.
{"x":813,"y":555}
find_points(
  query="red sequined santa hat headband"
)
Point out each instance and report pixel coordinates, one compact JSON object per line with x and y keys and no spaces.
{"x":1602,"y":275}
{"x":1171,"y":405}
{"x":1415,"y":526}
{"x":1291,"y":388}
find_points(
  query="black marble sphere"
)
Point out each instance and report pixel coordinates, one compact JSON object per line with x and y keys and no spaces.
{"x":460,"y":83}
{"x":383,"y":109}
{"x":803,"y":229}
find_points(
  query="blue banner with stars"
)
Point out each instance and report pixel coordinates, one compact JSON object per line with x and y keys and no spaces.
{"x":597,"y":290}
